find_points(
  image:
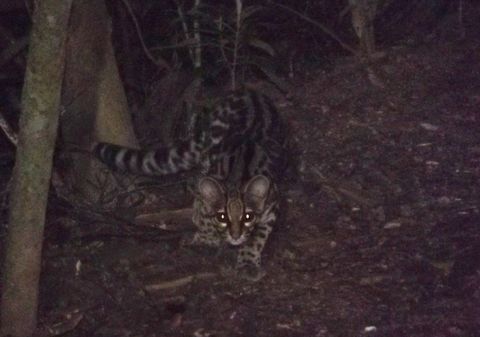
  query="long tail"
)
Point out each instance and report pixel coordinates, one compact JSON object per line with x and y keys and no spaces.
{"x":183,"y":157}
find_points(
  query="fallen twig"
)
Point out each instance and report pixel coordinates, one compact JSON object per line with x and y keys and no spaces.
{"x":160,"y":219}
{"x":342,"y":188}
{"x":179,"y":282}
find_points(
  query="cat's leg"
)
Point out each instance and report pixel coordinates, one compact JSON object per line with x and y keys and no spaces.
{"x":249,"y":255}
{"x":205,"y":241}
{"x":206,"y":234}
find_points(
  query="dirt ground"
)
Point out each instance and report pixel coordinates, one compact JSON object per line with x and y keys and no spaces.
{"x":381,"y":235}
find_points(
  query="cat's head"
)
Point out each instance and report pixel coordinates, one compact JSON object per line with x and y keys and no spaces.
{"x":235,"y":213}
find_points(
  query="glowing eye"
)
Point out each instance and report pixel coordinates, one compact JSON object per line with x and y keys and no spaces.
{"x":248,"y":219}
{"x":222,"y":218}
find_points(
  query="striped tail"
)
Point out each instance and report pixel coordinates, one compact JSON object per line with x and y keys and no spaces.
{"x":162,"y":161}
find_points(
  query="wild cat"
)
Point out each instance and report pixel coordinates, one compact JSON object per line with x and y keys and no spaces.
{"x":239,"y":147}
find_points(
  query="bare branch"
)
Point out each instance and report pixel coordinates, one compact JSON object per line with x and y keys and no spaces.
{"x":185,"y":28}
{"x":13,"y":50}
{"x":7,"y":129}
{"x":322,"y":27}
{"x":157,"y":61}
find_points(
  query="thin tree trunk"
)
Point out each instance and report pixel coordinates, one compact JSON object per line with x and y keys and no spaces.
{"x":38,"y":131}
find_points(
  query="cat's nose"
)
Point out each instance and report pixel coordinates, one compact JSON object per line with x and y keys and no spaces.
{"x":236,"y":241}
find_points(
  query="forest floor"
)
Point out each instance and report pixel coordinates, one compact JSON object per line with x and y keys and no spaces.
{"x":381,"y":236}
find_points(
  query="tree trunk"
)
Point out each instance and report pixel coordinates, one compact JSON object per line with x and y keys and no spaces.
{"x":38,"y":131}
{"x":93,"y":95}
{"x":363,"y":15}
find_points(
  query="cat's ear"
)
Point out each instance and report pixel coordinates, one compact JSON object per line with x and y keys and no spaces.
{"x":211,"y":191}
{"x":256,"y":192}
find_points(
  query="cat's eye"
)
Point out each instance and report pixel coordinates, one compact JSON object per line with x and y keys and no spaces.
{"x":248,"y":219}
{"x":222,"y":218}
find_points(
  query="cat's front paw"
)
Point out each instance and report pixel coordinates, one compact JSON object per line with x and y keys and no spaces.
{"x":251,"y":272}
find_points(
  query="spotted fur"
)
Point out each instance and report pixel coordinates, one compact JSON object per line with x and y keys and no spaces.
{"x":239,"y":147}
